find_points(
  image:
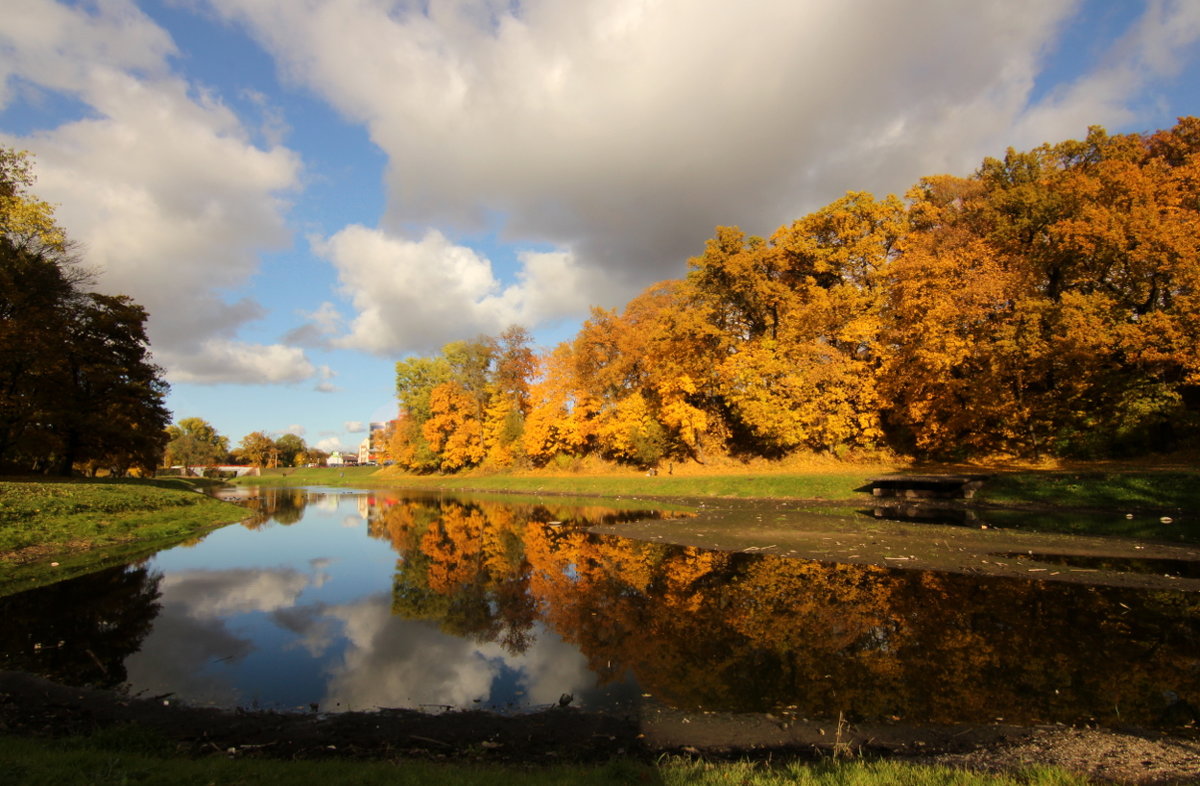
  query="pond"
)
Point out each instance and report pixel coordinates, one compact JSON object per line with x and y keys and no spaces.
{"x":332,"y":600}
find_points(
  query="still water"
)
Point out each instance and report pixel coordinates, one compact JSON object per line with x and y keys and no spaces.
{"x":338,"y":600}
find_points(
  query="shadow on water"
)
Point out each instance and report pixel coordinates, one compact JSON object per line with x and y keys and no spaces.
{"x":1181,"y":569}
{"x":460,"y":602}
{"x":80,"y":631}
{"x":1112,"y":522}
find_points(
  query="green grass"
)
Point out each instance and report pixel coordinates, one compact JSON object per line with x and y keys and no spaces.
{"x":68,"y":516}
{"x":826,"y":486}
{"x":1119,"y":491}
{"x":117,"y":757}
{"x":1108,"y":490}
{"x":311,"y":476}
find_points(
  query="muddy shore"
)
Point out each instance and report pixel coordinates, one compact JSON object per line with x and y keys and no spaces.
{"x":32,"y":706}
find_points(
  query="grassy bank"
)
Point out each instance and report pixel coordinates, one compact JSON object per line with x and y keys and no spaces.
{"x":824,"y":485}
{"x":46,"y":520}
{"x":1110,"y":489}
{"x":110,"y":759}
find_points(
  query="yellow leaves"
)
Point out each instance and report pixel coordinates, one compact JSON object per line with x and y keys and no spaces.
{"x":629,"y":431}
{"x":453,"y":429}
{"x":561,"y":418}
{"x":23,"y":219}
{"x":802,"y":395}
{"x":850,"y":240}
{"x":502,"y":427}
{"x":688,"y":422}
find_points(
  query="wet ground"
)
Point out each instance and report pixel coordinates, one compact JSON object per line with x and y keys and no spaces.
{"x":32,"y":706}
{"x":956,"y":539}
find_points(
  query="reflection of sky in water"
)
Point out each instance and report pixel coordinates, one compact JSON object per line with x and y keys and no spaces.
{"x":288,"y":616}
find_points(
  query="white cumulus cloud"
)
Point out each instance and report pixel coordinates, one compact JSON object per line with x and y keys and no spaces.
{"x":420,"y":294}
{"x":158,"y":182}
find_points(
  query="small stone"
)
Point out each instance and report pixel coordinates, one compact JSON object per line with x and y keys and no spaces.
{"x":1167,"y":520}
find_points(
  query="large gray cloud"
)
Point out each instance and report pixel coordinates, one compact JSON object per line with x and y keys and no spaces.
{"x":623,"y":131}
{"x":606,"y":138}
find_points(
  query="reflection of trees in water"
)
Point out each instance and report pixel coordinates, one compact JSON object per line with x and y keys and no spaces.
{"x":462,"y":567}
{"x":283,"y":505}
{"x":750,"y":632}
{"x":81,"y":630}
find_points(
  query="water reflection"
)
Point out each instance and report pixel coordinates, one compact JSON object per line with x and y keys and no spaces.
{"x":705,"y":629}
{"x":372,"y":600}
{"x":80,"y":631}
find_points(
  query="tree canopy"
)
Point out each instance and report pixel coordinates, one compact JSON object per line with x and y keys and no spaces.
{"x":1048,"y":304}
{"x":78,"y":388}
{"x":194,"y":442}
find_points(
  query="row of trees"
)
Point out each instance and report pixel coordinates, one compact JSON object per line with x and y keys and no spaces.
{"x":193,"y":442}
{"x":1047,"y":304}
{"x":78,"y":390}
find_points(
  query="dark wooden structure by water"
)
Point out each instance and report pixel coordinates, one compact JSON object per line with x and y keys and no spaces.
{"x":927,"y":486}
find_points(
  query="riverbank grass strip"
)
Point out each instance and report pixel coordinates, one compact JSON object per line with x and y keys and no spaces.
{"x":79,"y":761}
{"x":66,"y":516}
{"x":1118,"y":491}
{"x":772,"y":485}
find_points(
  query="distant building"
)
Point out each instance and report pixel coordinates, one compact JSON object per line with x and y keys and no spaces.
{"x":371,"y":449}
{"x":340,"y":459}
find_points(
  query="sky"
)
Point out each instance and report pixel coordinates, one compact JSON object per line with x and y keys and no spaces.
{"x":303,"y":192}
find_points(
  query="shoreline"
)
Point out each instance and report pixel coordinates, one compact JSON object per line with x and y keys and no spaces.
{"x":35,"y":708}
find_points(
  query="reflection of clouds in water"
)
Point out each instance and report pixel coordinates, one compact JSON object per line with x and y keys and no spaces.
{"x":552,"y":667}
{"x":325,"y":503}
{"x":212,"y":593}
{"x":352,"y":522}
{"x":314,"y":629}
{"x":174,"y":657}
{"x":392,"y":662}
{"x":320,"y":568}
{"x":190,"y":636}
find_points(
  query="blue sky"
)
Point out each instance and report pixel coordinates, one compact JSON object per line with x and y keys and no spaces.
{"x":303,"y":192}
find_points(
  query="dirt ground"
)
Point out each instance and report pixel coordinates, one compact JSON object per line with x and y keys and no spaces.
{"x":33,"y":706}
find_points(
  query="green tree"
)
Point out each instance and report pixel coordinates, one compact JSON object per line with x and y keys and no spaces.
{"x":112,"y":414}
{"x":292,"y":450}
{"x":194,"y":442}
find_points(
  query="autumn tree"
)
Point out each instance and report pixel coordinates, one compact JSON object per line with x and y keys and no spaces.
{"x":1068,"y":324}
{"x":561,"y":420}
{"x":258,"y":449}
{"x":1046,"y":304}
{"x":796,"y":323}
{"x":77,"y":384}
{"x":464,"y":406}
{"x":454,"y":430}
